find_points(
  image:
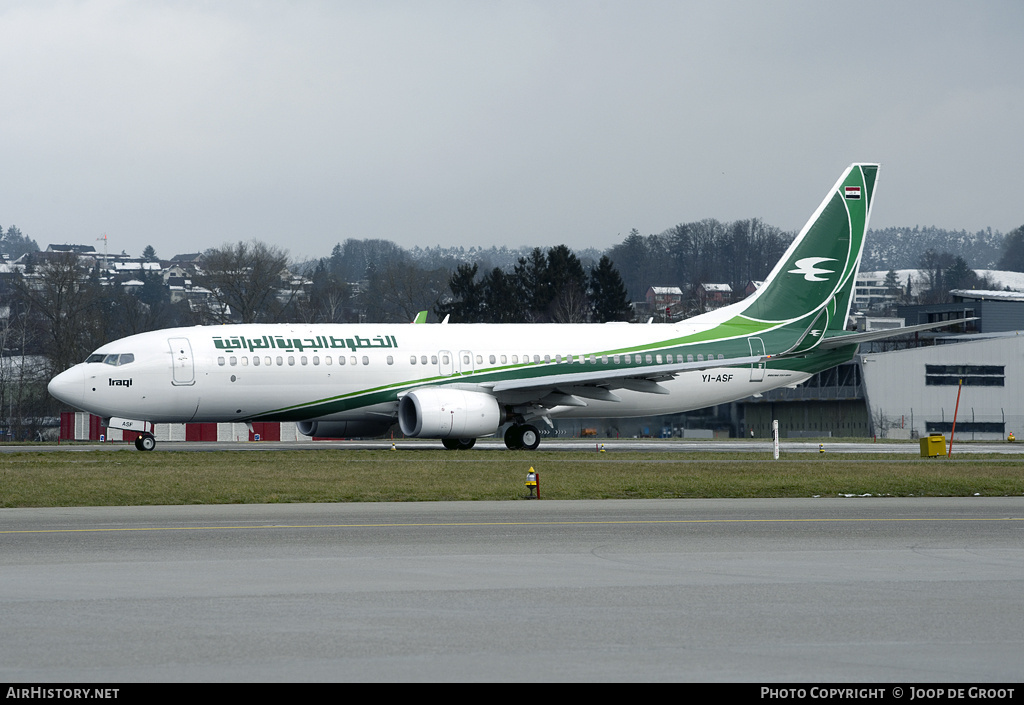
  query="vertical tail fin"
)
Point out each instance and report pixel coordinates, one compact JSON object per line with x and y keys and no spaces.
{"x":812,"y":285}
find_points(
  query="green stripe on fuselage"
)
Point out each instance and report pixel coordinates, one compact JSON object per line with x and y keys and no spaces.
{"x":704,"y":344}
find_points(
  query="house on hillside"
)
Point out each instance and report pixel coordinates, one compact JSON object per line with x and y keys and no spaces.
{"x":661,"y":297}
{"x":80,"y":250}
{"x":712,"y":296}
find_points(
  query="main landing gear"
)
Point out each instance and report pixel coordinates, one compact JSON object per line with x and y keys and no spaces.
{"x":145,"y":442}
{"x":517,"y":437}
{"x":522,"y":437}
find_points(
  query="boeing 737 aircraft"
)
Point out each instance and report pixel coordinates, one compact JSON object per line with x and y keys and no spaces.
{"x":459,"y":382}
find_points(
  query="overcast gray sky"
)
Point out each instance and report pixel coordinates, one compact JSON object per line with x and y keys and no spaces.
{"x":189,"y":124}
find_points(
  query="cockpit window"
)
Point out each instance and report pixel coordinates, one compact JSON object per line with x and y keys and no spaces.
{"x":115,"y":360}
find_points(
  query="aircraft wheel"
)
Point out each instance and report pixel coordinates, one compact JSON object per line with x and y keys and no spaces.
{"x":138,"y":443}
{"x":146,"y":442}
{"x":466,"y":443}
{"x":450,"y":443}
{"x":530,"y":437}
{"x":514,"y":437}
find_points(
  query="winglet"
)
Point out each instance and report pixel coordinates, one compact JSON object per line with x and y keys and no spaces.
{"x":421,"y":317}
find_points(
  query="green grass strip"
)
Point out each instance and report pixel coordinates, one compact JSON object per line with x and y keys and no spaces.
{"x":127,"y":477}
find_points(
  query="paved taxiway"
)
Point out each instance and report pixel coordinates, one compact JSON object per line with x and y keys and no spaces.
{"x":811,"y":590}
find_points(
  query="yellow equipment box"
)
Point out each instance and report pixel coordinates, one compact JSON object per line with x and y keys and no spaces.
{"x":933,"y":445}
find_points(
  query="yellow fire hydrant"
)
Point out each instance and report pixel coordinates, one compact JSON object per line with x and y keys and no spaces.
{"x":533,"y":483}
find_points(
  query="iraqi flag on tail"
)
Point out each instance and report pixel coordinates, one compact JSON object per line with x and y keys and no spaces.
{"x":852,"y":193}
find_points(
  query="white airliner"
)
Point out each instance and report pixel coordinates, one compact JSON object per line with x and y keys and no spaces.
{"x":460,"y":382}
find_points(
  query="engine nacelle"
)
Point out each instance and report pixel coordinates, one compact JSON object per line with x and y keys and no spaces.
{"x":443,"y":412}
{"x":343,"y":429}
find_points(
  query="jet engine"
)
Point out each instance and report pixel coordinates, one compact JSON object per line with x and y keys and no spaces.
{"x":343,"y":429}
{"x":443,"y":412}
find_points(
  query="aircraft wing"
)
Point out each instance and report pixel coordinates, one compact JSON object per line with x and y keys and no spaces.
{"x":840,"y":339}
{"x":570,"y":389}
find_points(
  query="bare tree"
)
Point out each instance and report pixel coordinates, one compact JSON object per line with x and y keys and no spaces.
{"x":570,"y":305}
{"x":248,"y":282}
{"x":397,"y":290}
{"x":63,"y":301}
{"x":329,"y":299}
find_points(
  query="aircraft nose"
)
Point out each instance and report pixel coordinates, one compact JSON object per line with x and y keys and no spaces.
{"x":69,"y":387}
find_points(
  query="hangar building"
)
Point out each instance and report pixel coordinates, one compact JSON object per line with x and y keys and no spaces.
{"x":911,"y":393}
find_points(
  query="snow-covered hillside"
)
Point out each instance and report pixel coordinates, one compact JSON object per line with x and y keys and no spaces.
{"x":903,"y":247}
{"x":1014,"y":280}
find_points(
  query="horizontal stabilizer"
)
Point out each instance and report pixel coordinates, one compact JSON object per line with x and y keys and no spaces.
{"x":841,"y":339}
